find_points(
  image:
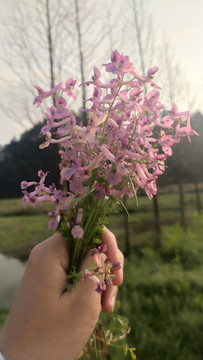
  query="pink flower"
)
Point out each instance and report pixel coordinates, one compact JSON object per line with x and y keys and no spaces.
{"x":152,"y":71}
{"x":183,"y":131}
{"x":61,"y":110}
{"x":79,"y":216}
{"x":166,"y":141}
{"x":77,"y":232}
{"x":68,"y":173}
{"x":107,"y":153}
{"x":101,"y":287}
{"x":117,"y":153}
{"x":26,"y":184}
{"x":120,"y":64}
{"x":69,"y":87}
{"x":97,"y":253}
{"x":53,"y":223}
{"x":95,"y":80}
{"x":114,"y":178}
{"x":44,"y":94}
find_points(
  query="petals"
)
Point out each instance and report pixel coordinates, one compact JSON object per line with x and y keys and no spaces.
{"x":77,"y":232}
{"x":68,"y":173}
{"x":119,"y":143}
{"x":25,"y":184}
{"x":107,"y":153}
{"x":53,"y":223}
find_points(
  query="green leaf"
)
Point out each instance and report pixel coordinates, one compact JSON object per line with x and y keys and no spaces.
{"x":112,"y":326}
{"x":132,"y":353}
{"x":125,"y":349}
{"x":97,"y":241}
{"x":123,"y":323}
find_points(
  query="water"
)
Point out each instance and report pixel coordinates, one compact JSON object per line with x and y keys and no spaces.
{"x":11,"y":272}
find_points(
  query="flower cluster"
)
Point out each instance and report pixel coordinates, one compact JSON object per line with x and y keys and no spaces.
{"x":122,"y":148}
{"x":100,"y":273}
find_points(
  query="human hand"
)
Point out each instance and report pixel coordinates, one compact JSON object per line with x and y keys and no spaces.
{"x":47,"y":322}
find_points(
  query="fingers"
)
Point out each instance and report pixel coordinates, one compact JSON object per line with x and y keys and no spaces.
{"x":85,"y":291}
{"x":50,"y":261}
{"x":109,"y":296}
{"x":52,"y":249}
{"x":108,"y":299}
{"x":114,"y":253}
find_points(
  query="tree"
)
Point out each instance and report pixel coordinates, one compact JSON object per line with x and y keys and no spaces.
{"x":46,"y":42}
{"x":193,"y":158}
{"x":146,"y":47}
{"x":174,"y":86}
{"x":21,"y":160}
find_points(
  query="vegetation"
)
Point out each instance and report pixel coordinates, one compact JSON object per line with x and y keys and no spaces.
{"x":3,"y":314}
{"x":162,"y":295}
{"x":21,"y":160}
{"x":21,"y":227}
{"x":162,"y":290}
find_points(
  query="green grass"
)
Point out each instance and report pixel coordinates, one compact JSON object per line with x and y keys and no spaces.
{"x":10,"y":207}
{"x":162,"y":294}
{"x":22,"y":227}
{"x":18,"y":234}
{"x":3,"y":314}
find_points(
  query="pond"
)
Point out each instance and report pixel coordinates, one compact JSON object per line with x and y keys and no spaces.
{"x":11,"y":272}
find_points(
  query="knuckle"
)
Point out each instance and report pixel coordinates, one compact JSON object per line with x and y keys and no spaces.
{"x":113,"y":237}
{"x":35,"y":255}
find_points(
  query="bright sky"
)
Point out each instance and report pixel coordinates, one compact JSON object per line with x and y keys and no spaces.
{"x":181,"y":22}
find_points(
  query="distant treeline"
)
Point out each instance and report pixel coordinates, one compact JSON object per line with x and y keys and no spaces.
{"x":21,"y":160}
{"x":186,"y":162}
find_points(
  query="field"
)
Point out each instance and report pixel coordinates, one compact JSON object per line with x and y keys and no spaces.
{"x":21,"y":227}
{"x":162,"y":294}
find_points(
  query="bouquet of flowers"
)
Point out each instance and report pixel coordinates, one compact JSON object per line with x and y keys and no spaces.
{"x":123,"y":147}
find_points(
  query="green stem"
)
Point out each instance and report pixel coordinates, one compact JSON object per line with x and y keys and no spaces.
{"x":89,"y":231}
{"x":89,"y":225}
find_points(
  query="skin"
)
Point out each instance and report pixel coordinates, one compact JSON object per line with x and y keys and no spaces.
{"x":47,"y":322}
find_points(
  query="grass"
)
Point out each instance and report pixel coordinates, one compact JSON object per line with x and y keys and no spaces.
{"x":18,"y":234}
{"x":22,"y":227}
{"x":3,"y":314}
{"x":162,"y":294}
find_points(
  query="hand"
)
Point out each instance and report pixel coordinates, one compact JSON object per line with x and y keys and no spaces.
{"x":47,"y":322}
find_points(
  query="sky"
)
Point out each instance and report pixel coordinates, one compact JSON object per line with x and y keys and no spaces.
{"x":179,"y":21}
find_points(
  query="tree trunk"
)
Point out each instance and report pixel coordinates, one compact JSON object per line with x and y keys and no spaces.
{"x":49,"y":37}
{"x":157,"y":225}
{"x":181,"y":197}
{"x":198,"y":200}
{"x":77,"y":21}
